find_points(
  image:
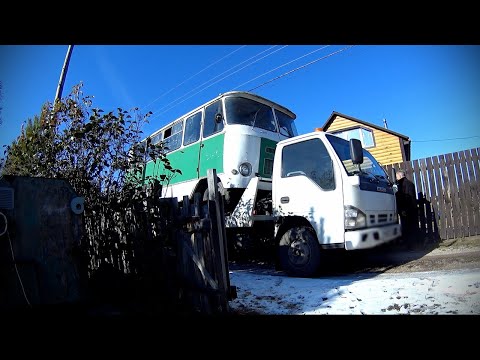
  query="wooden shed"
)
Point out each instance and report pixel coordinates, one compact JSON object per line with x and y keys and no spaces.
{"x":387,"y":146}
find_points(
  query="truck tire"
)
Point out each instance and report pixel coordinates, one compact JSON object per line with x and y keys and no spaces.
{"x":299,"y":252}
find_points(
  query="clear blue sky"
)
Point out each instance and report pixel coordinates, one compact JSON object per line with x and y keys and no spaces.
{"x":427,"y":92}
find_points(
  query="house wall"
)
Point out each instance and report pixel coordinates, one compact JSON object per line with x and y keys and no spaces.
{"x":387,"y":148}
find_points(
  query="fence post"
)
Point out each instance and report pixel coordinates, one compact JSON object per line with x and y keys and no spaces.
{"x":218,"y":236}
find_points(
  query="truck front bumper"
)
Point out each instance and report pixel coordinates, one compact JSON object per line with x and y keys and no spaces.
{"x":369,"y":238}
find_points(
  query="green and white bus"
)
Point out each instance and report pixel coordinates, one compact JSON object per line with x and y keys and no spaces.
{"x":234,"y":133}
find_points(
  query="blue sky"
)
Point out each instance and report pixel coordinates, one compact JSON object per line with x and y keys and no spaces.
{"x":427,"y":92}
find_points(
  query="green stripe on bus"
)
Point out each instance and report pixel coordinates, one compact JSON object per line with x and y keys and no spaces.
{"x":212,"y":154}
{"x":186,"y":160}
{"x":267,"y":152}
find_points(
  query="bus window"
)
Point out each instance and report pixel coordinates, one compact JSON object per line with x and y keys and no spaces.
{"x":244,"y":111}
{"x":173,"y":137}
{"x":286,"y":125}
{"x":264,"y":119}
{"x":192,"y":128}
{"x":213,"y":122}
{"x":157,"y":138}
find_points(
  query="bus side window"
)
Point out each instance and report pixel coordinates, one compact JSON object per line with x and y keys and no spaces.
{"x":211,"y":124}
{"x":192,"y":128}
{"x":173,"y":137}
{"x":157,"y":138}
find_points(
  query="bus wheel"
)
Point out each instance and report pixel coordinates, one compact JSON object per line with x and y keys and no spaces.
{"x":299,"y":252}
{"x":221,"y":190}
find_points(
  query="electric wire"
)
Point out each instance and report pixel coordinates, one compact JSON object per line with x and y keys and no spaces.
{"x":301,"y":67}
{"x":459,"y":138}
{"x":206,"y":87}
{"x":210,"y":80}
{"x":278,"y":67}
{"x":191,"y":77}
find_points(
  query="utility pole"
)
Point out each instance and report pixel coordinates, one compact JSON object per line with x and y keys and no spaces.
{"x":63,"y":74}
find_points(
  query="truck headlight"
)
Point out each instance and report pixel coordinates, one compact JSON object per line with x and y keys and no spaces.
{"x":354,"y":218}
{"x":245,"y":169}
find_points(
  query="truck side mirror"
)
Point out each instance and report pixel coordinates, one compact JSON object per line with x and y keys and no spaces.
{"x":356,"y":151}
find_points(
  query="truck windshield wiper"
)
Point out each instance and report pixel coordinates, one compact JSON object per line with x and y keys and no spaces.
{"x":373,"y":177}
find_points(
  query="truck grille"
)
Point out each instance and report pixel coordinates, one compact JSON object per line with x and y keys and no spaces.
{"x":381,"y":219}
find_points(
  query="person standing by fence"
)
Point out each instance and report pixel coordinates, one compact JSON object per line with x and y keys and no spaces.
{"x":407,"y":209}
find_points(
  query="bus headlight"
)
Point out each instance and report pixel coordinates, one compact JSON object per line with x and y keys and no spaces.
{"x":245,"y":169}
{"x":354,"y":218}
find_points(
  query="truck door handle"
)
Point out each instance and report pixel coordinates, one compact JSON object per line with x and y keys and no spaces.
{"x":284,"y":199}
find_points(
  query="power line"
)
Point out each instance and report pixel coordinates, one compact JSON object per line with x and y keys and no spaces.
{"x":172,"y":104}
{"x":460,"y":138}
{"x":206,"y":87}
{"x":301,"y":67}
{"x":210,"y":80}
{"x":183,"y":82}
{"x":278,"y":67}
{"x":206,"y":82}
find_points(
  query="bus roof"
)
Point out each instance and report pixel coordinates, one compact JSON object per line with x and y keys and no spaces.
{"x":226,"y":94}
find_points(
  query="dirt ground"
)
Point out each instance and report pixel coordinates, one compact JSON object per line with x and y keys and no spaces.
{"x":463,"y":253}
{"x":446,"y":255}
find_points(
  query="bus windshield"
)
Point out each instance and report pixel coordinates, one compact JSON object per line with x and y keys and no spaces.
{"x":369,"y":165}
{"x":243,"y":111}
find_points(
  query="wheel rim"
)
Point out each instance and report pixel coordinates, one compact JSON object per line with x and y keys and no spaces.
{"x":298,"y":253}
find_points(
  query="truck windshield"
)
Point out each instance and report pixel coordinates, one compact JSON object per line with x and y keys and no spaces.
{"x":369,"y":165}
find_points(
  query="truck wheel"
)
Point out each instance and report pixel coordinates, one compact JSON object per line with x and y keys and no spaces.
{"x":299,"y":252}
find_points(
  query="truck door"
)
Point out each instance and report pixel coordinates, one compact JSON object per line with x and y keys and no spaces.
{"x":308,"y":185}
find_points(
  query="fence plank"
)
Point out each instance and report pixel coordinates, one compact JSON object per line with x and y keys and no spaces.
{"x":474,"y":192}
{"x":409,"y":169}
{"x":419,"y":194}
{"x":441,"y":215}
{"x":199,"y":248}
{"x":447,"y":193}
{"x":476,"y":184}
{"x":462,"y":194}
{"x":417,"y":177}
{"x":193,"y":275}
{"x":433,"y":199}
{"x":456,"y":210}
{"x":469,"y":193}
{"x":427,"y":198}
{"x":218,"y":231}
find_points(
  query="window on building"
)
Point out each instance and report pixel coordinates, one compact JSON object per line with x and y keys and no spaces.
{"x":362,"y":134}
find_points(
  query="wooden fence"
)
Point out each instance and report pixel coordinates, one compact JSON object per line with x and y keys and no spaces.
{"x":202,"y":252}
{"x":175,"y":253}
{"x":448,"y":193}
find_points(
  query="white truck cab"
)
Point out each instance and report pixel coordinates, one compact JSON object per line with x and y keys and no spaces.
{"x":328,"y":192}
